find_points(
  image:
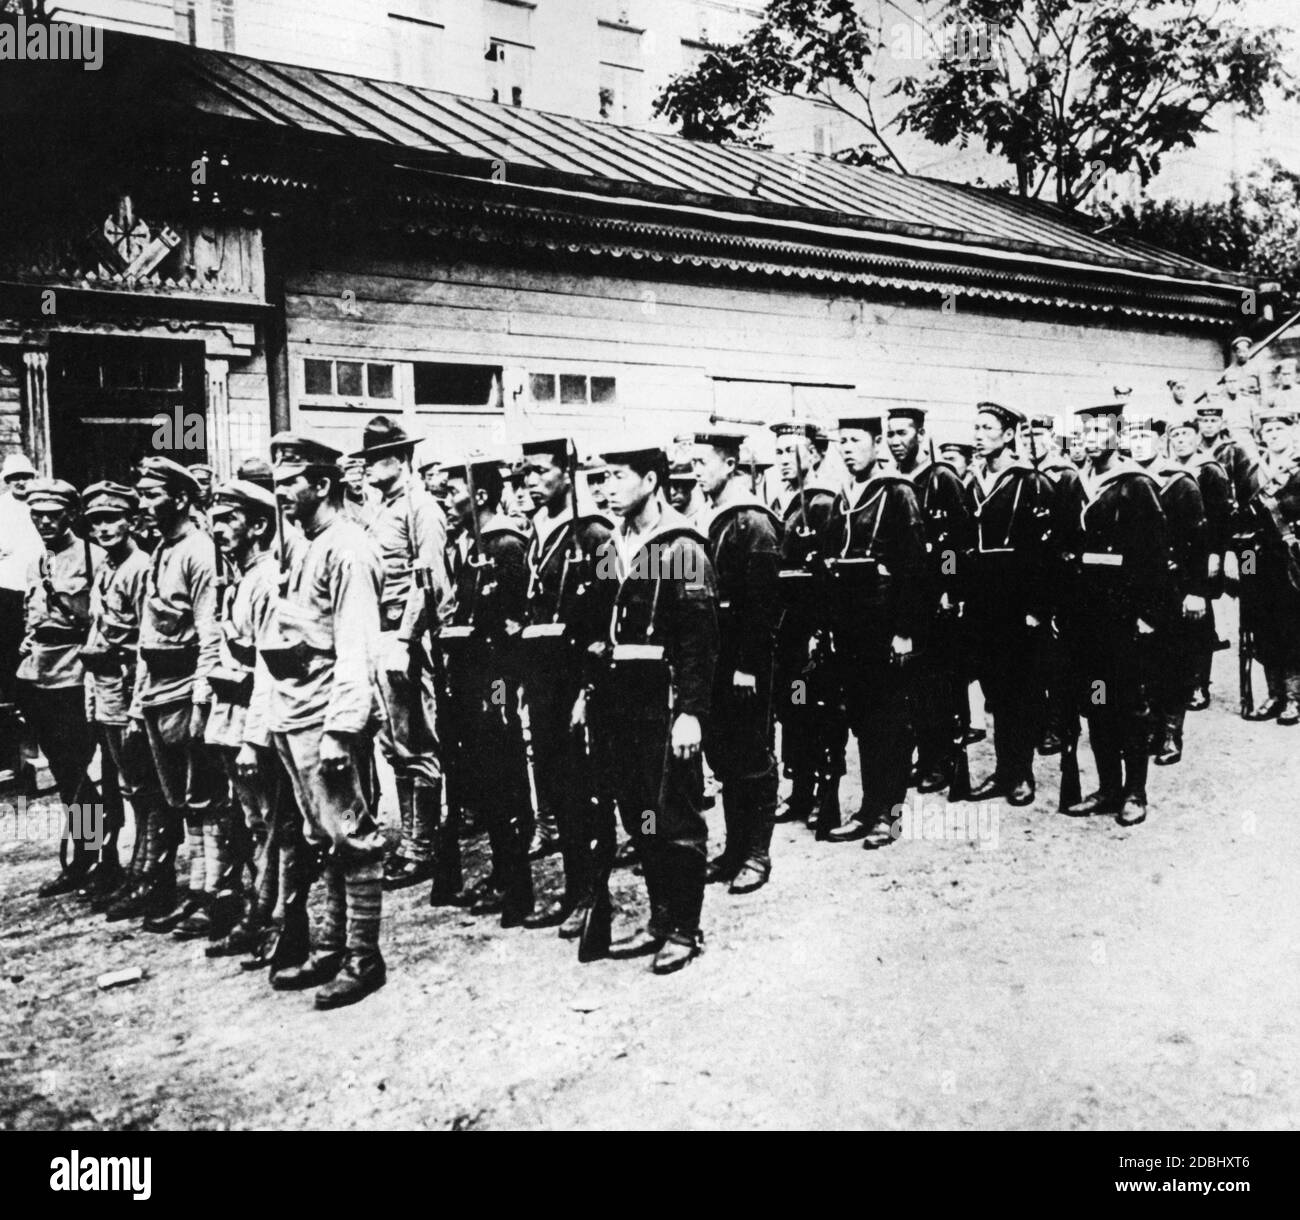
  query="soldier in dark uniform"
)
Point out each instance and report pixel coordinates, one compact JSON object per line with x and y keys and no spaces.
{"x":812,"y":733}
{"x":946,"y":513}
{"x":491,"y":606}
{"x":50,"y":673}
{"x":959,"y":456}
{"x":1120,"y":595}
{"x":1276,"y":508}
{"x":1216,"y":498}
{"x":650,"y":700}
{"x":1043,"y":452}
{"x":1242,"y":470}
{"x":744,"y":547}
{"x":564,"y":621}
{"x":1189,"y":574}
{"x":1010,"y":597}
{"x":875,"y":543}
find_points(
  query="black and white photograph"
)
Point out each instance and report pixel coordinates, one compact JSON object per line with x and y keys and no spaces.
{"x":650,"y":566}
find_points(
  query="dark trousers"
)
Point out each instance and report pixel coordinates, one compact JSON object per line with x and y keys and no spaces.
{"x":738,"y":745}
{"x":937,"y":685}
{"x":660,"y":797}
{"x":565,"y":777}
{"x":876,"y":695}
{"x":1012,"y":683}
{"x":57,"y":719}
{"x":128,"y":776}
{"x":1117,"y":669}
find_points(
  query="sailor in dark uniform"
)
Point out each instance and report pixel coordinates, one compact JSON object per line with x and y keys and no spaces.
{"x":1010,"y":598}
{"x":649,"y":702}
{"x":1216,"y":497}
{"x":491,"y":588}
{"x":744,"y":547}
{"x":812,"y":733}
{"x":563,"y":622}
{"x":959,"y":456}
{"x":1044,"y":452}
{"x":945,"y":510}
{"x":1276,"y":508}
{"x":1189,"y":572}
{"x":1120,"y":596}
{"x":875,"y":544}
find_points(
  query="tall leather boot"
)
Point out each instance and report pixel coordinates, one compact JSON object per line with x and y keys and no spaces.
{"x":396,"y":863}
{"x":331,"y":939}
{"x":363,"y":969}
{"x":290,"y":943}
{"x":758,"y":796}
{"x":827,"y":814}
{"x":799,"y":804}
{"x":130,"y":877}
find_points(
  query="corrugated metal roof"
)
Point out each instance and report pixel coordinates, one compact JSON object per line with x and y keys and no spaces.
{"x":426,"y":121}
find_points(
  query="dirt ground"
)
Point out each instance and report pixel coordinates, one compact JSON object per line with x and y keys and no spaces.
{"x":1054,"y":974}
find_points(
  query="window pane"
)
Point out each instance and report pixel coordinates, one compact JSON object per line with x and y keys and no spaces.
{"x":379,"y":380}
{"x":454,"y":385}
{"x":319,"y":376}
{"x":602,"y":389}
{"x":541,"y":386}
{"x":573,"y":388}
{"x":349,"y":374}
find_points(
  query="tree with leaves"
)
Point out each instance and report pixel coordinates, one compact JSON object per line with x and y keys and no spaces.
{"x":1062,"y":91}
{"x":1255,"y":230}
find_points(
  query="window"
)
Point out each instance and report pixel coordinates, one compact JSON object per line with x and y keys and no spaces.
{"x":355,"y":380}
{"x":465,"y":387}
{"x":186,"y":21}
{"x":417,"y":45}
{"x":620,"y":94}
{"x":223,"y":24}
{"x":575,"y":389}
{"x":509,"y":49}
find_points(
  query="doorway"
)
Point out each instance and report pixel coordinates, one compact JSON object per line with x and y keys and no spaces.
{"x":109,"y":398}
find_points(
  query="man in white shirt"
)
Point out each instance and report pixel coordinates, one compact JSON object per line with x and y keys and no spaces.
{"x":20,"y":546}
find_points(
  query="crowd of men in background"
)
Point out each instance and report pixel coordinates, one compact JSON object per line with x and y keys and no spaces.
{"x":540,"y":648}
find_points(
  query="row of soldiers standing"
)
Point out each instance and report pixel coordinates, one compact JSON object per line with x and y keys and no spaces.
{"x":236,"y":681}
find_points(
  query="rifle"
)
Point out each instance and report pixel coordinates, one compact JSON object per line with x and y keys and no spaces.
{"x":1245,"y":659}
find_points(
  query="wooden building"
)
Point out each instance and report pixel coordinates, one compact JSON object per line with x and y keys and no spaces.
{"x":199,"y":248}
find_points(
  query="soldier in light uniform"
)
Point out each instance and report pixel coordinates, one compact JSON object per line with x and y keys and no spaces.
{"x":109,"y":658}
{"x":1180,"y":630}
{"x":875,"y":541}
{"x":1011,"y":595}
{"x":1276,"y":508}
{"x":318,"y":643}
{"x":812,"y":735}
{"x":1216,"y":498}
{"x":1120,"y":594}
{"x":410,"y":531}
{"x":564,"y":620}
{"x":268,"y":841}
{"x":491,"y":767}
{"x":744,"y":540}
{"x":946,"y":514}
{"x":50,"y":691}
{"x":650,"y":700}
{"x":179,"y":642}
